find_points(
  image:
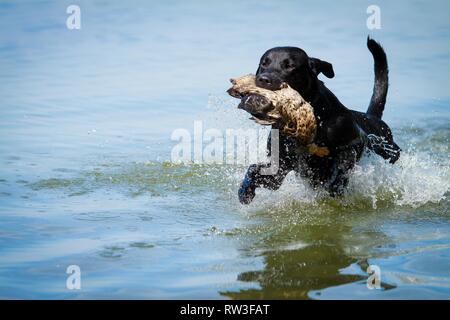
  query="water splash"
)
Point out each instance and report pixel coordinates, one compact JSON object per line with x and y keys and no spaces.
{"x":416,"y":179}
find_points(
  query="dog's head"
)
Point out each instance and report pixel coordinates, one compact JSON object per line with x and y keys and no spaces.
{"x":292,"y":66}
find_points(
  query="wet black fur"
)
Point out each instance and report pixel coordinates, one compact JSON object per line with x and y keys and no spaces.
{"x":347,"y":133}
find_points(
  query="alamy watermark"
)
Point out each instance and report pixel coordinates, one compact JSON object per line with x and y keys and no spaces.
{"x":73,"y":21}
{"x":73,"y":281}
{"x":374,"y":20}
{"x":374,"y":279}
{"x":229,"y":146}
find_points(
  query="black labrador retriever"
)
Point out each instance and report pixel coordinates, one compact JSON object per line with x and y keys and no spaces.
{"x":346,"y":133}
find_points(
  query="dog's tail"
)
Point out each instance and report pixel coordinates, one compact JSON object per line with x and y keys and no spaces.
{"x":380,"y":87}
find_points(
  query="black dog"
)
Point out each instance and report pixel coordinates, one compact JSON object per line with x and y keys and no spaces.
{"x":346,"y":133}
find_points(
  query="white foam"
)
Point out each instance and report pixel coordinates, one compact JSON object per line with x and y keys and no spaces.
{"x":414,"y":180}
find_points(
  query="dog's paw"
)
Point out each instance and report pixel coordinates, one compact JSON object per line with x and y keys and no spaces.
{"x":246,"y":191}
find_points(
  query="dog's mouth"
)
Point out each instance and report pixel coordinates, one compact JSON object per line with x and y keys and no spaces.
{"x":274,"y":87}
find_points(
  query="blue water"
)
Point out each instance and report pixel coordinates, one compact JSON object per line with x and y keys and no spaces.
{"x":86,"y":118}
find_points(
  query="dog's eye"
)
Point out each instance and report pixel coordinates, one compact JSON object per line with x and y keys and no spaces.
{"x":287,"y":64}
{"x":265,"y":62}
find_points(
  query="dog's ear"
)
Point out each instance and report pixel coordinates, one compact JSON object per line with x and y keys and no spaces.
{"x":318,"y":66}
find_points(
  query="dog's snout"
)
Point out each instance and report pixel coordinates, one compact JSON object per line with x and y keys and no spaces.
{"x":268,"y":81}
{"x":263,"y":80}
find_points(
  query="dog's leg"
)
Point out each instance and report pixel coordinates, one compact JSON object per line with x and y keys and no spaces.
{"x":384,"y":147}
{"x":345,"y":161}
{"x":348,"y":142}
{"x":270,"y":175}
{"x":254,"y":179}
